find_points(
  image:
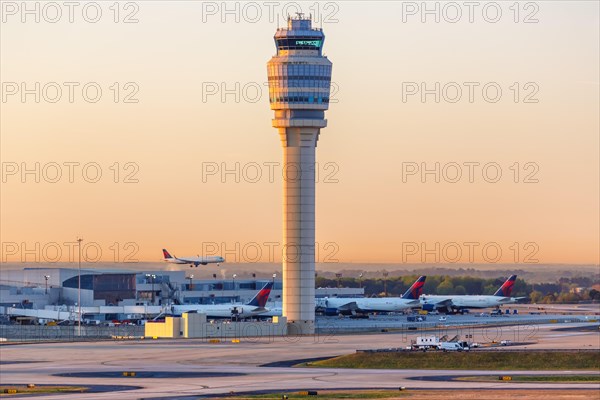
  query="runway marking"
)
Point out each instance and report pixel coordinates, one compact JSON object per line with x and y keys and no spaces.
{"x":318,"y":378}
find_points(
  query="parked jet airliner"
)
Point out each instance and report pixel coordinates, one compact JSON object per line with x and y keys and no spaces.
{"x":193,"y":261}
{"x":254,"y":307}
{"x":460,"y":302}
{"x":351,"y":305}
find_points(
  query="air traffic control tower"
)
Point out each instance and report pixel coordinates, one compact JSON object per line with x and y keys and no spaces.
{"x":299,"y":86}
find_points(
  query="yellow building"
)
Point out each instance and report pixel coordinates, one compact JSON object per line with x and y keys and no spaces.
{"x":194,"y":325}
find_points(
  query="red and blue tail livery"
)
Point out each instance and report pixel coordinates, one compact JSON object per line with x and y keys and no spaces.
{"x":260,"y":300}
{"x":416,"y":290}
{"x":506,"y":289}
{"x":166,"y":254}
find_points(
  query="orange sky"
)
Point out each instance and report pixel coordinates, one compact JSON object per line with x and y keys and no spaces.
{"x":173,"y":145}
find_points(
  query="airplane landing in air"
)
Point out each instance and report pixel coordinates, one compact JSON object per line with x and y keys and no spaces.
{"x":193,"y":261}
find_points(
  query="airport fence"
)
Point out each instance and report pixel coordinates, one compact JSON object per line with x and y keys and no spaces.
{"x":325,"y":330}
{"x":523,"y":329}
{"x":35,"y":333}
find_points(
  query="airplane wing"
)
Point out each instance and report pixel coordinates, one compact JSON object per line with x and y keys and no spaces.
{"x":446,"y":303}
{"x":437,"y":303}
{"x":510,"y":299}
{"x":352,"y":306}
{"x":441,"y":303}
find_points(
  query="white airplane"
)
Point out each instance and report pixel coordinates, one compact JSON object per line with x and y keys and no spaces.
{"x":460,"y":302}
{"x":351,"y":305}
{"x":253,"y":308}
{"x":193,"y":261}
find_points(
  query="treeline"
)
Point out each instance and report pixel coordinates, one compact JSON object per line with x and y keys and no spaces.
{"x":565,"y":290}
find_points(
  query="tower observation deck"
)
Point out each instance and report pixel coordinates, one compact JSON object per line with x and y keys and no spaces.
{"x":299,"y":88}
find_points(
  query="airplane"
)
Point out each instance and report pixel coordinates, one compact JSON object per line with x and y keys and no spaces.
{"x":193,"y":261}
{"x":352,"y":305}
{"x":253,"y":308}
{"x":460,"y":302}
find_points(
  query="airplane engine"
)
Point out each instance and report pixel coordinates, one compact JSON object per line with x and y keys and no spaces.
{"x":331,"y":312}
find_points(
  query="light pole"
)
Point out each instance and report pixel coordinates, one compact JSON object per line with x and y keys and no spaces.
{"x":234,"y":289}
{"x":385,"y":275}
{"x":275,"y":276}
{"x":360,"y":280}
{"x":79,"y":240}
{"x":339,"y":278}
{"x":190,"y":278}
{"x":153,"y":299}
{"x":46,"y":277}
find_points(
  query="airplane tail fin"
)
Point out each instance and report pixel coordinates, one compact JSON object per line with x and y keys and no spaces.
{"x":416,"y":289}
{"x":166,"y":254}
{"x":506,"y":289}
{"x":260,"y":300}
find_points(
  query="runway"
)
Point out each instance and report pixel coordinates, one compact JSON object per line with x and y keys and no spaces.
{"x":220,"y":368}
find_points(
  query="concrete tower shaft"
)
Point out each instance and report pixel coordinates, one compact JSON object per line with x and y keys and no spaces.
{"x":299,"y":87}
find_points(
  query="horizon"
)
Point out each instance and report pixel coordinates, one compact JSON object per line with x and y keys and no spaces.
{"x":532,"y":273}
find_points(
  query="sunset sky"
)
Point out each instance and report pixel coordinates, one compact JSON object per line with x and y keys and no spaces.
{"x":369,"y":208}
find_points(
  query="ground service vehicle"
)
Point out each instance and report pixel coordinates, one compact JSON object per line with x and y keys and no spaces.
{"x":426,"y":342}
{"x":454,"y":346}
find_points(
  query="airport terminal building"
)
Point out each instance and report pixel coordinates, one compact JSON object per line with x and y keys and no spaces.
{"x":36,"y":288}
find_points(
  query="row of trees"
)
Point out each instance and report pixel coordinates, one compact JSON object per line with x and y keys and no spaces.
{"x":564,"y":297}
{"x":565,"y":290}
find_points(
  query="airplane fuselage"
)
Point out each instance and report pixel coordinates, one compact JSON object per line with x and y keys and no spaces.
{"x":195,"y":260}
{"x":466,"y":301}
{"x":384,"y":304}
{"x":221,"y":310}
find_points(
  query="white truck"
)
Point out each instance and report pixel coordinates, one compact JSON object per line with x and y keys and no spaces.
{"x":426,"y":342}
{"x":454,"y":346}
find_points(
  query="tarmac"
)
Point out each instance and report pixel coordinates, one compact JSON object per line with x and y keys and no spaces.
{"x":192,"y":368}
